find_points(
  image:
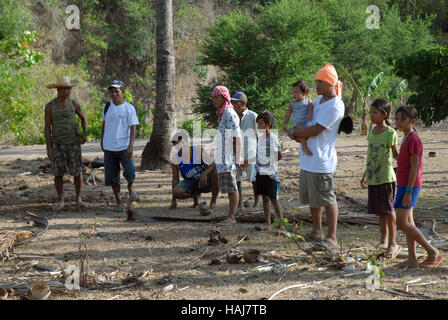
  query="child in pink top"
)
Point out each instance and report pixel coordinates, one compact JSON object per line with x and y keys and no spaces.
{"x":409,"y":183}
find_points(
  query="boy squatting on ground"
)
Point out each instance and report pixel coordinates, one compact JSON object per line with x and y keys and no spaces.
{"x":63,"y":140}
{"x":301,"y":109}
{"x":268,"y":154}
{"x":248,"y":125}
{"x":199,"y":177}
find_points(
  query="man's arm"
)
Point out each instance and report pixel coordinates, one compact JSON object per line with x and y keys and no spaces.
{"x":309,"y":115}
{"x":130,"y":150}
{"x":301,"y":131}
{"x":48,"y":124}
{"x":83,"y":118}
{"x":102,"y":135}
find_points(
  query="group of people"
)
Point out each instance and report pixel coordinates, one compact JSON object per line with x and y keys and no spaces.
{"x":245,"y":142}
{"x":64,"y":141}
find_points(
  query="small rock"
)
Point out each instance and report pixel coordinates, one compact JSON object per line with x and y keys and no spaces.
{"x":162,"y":281}
{"x":233,"y":258}
{"x":168,"y":287}
{"x":215,"y":262}
{"x":102,"y":234}
{"x":258,"y":228}
{"x":348,"y":268}
{"x":23,"y":187}
{"x":242,"y":290}
{"x":252,"y":256}
{"x":432,"y":154}
{"x":149,"y":238}
{"x":246,"y":204}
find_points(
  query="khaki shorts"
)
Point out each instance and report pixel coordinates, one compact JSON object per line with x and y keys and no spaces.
{"x":227,"y":182}
{"x":316,"y":189}
{"x":67,"y":155}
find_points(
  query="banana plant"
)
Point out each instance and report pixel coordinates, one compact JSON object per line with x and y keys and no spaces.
{"x":364,"y":96}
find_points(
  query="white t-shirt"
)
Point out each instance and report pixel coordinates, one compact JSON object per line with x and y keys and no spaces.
{"x":228,"y":129}
{"x":323,"y":146}
{"x":117,"y":126}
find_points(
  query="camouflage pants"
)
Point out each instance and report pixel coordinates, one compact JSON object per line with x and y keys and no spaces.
{"x":67,"y":155}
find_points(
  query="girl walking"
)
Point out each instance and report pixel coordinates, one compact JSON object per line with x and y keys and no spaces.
{"x":409,"y":181}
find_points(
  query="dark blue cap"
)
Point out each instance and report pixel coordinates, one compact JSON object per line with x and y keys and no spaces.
{"x":239,"y":96}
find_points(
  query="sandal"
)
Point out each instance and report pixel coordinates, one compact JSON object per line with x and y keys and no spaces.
{"x":118,"y":208}
{"x":133,"y":196}
{"x":58,"y":205}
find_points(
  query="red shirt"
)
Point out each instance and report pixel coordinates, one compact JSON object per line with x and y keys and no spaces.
{"x":412,"y":145}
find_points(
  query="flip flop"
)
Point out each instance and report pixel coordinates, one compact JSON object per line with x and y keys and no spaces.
{"x":431,"y":264}
{"x":330,"y":246}
{"x":394,"y":254}
{"x":58,"y":205}
{"x":133,"y":196}
{"x":309,"y":237}
{"x":80,"y":204}
{"x":226,"y":223}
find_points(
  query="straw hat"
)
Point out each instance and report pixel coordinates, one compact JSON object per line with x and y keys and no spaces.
{"x":63,"y":81}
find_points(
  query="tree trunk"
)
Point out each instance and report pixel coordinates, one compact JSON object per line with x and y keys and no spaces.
{"x":157,"y":151}
{"x":364,"y":129}
{"x":352,"y":102}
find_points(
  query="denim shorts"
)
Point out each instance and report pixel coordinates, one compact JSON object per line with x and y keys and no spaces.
{"x":192,"y":185}
{"x":250,"y":171}
{"x":112,"y":160}
{"x":400,"y":193}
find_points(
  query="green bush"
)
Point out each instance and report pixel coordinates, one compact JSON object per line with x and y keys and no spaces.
{"x":188,"y":125}
{"x":264,"y":55}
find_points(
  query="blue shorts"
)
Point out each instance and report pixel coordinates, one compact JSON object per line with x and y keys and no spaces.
{"x":192,"y":185}
{"x":112,"y":160}
{"x":399,"y":199}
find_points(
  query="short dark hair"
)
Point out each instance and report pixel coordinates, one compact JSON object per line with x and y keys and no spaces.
{"x":383,"y":106}
{"x":267,"y":117}
{"x":305,"y":87}
{"x":408,"y":111}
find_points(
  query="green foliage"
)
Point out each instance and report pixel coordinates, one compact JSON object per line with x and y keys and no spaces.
{"x":16,"y":109}
{"x":189,"y":126}
{"x":290,"y":39}
{"x":363,"y":53}
{"x":427,"y":73}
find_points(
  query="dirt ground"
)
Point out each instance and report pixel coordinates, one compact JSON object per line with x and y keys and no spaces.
{"x":141,"y":260}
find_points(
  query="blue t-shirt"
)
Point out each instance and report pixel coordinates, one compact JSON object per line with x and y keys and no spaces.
{"x":194,"y":168}
{"x":299,"y":111}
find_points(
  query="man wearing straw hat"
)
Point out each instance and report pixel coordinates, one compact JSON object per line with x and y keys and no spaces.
{"x":63,"y":139}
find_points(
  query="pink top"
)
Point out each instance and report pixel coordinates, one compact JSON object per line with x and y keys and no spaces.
{"x":412,"y":145}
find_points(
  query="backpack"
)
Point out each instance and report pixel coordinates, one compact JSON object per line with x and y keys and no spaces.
{"x":106,"y":108}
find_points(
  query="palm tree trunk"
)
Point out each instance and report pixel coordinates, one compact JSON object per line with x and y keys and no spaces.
{"x":157,"y":151}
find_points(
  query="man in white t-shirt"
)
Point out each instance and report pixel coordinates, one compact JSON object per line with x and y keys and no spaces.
{"x":117,"y":141}
{"x":316,"y":176}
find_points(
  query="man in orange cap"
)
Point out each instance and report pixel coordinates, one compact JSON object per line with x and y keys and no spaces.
{"x":316,"y":176}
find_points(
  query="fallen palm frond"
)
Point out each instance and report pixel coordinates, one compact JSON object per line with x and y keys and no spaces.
{"x":9,"y":238}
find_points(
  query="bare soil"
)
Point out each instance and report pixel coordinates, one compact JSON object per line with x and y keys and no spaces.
{"x":178,"y":252}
